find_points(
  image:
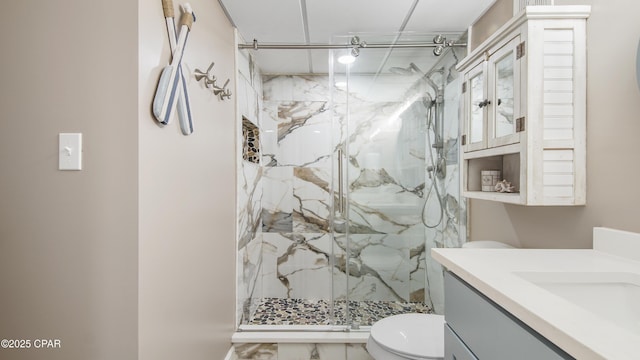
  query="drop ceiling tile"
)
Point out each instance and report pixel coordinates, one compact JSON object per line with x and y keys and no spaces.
{"x":331,"y":17}
{"x":437,"y":16}
{"x":283,"y":61}
{"x":268,"y":20}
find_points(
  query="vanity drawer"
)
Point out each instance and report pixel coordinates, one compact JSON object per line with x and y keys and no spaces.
{"x":489,"y":331}
{"x":454,"y":348}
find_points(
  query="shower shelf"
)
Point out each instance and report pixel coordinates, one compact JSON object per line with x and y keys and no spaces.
{"x":524,"y":108}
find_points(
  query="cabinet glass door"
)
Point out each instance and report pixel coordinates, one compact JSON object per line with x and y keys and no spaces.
{"x":505,"y":124}
{"x":505,"y":75}
{"x":476,"y":108}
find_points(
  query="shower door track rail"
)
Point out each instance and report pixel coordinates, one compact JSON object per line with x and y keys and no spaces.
{"x":256,"y":46}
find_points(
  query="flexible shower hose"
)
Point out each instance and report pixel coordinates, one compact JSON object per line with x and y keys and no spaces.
{"x":434,"y":171}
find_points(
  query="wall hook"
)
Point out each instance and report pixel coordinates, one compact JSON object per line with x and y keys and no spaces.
{"x":199,"y":74}
{"x":209,"y":81}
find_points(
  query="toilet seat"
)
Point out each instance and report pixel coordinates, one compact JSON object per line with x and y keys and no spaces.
{"x":408,"y":336}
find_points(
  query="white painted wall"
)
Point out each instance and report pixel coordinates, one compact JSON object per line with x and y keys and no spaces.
{"x":132,"y":257}
{"x":187,"y":197}
{"x":68,"y":239}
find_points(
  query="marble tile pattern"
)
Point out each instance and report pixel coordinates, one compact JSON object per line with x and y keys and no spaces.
{"x":286,"y":351}
{"x":249,"y":190}
{"x":387,"y":258}
{"x":286,"y":248}
{"x":256,"y":351}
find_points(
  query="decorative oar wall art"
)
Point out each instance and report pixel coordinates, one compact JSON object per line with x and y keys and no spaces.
{"x":172,"y":86}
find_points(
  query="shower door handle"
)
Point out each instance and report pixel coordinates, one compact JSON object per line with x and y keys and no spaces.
{"x":341,"y":202}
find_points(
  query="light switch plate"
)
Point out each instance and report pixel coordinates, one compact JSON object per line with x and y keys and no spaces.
{"x":70,"y":151}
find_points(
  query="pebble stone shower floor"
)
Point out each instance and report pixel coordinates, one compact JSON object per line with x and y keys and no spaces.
{"x":275,"y":311}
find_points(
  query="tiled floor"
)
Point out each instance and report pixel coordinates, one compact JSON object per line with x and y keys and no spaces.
{"x":273,"y":311}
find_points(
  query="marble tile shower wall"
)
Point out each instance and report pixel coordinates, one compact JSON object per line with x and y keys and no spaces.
{"x":296,"y":201}
{"x":387,"y":189}
{"x":249,"y":194}
{"x":386,"y":161}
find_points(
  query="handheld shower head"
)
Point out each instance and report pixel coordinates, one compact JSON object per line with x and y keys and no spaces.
{"x":428,"y":103}
{"x":427,"y":100}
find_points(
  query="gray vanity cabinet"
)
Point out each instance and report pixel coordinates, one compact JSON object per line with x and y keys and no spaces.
{"x":477,"y":328}
{"x":454,"y":348}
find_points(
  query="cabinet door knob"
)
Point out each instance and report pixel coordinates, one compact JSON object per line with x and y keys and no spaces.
{"x":484,"y":103}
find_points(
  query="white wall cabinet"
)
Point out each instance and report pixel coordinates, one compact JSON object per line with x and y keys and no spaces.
{"x":524,"y":108}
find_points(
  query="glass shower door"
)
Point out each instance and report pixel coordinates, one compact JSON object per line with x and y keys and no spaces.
{"x":379,"y":176}
{"x":390,"y":165}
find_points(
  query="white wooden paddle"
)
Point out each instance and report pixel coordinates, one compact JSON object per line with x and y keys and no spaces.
{"x":168,"y":90}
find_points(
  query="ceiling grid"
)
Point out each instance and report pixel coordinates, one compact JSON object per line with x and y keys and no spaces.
{"x":323,"y":21}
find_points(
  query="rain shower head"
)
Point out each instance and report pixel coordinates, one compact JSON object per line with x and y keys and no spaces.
{"x":409,"y":70}
{"x":415,"y":68}
{"x":400,"y":71}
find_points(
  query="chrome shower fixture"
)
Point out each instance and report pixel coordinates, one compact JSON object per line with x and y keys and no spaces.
{"x":442,"y":44}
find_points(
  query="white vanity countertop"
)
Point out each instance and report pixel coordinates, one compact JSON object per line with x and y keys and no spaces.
{"x":579,"y":332}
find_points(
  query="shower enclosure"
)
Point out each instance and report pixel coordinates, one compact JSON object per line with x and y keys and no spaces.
{"x":357,"y":180}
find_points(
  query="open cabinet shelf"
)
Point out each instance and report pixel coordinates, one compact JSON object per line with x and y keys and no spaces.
{"x":507,"y":160}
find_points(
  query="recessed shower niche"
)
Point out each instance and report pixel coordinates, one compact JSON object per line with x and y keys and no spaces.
{"x":251,"y":141}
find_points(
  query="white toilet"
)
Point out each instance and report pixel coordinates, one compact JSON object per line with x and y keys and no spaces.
{"x":414,"y":336}
{"x":407,"y":336}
